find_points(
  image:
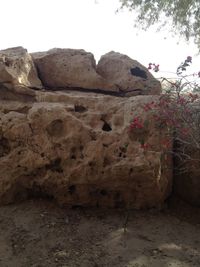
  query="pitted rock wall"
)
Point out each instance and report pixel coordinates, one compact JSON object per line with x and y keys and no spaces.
{"x":75,"y":146}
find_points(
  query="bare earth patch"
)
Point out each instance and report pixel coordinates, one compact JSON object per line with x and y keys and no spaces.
{"x":38,"y":233}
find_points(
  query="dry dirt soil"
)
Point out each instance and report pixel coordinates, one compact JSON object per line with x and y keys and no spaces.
{"x":38,"y":233}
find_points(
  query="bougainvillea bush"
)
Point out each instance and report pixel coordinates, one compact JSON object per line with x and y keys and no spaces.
{"x":178,"y":110}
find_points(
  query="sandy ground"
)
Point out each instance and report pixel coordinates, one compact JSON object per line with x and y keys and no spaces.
{"x":38,"y":233}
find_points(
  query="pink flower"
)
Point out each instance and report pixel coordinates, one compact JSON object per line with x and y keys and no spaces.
{"x":189,"y":59}
{"x":145,"y":146}
{"x":166,"y":143}
{"x":136,"y":123}
{"x":156,"y":68}
{"x":181,"y":100}
{"x":149,"y":67}
{"x":149,"y":106}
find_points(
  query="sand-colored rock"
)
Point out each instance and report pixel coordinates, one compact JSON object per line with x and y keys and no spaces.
{"x":17,"y":68}
{"x":76,"y":148}
{"x":127,"y":74}
{"x":76,"y":69}
{"x":18,"y":75}
{"x":69,"y":68}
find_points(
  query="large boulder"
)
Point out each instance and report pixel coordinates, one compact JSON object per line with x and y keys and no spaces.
{"x":69,"y":68}
{"x":17,"y":69}
{"x":77,"y":148}
{"x":76,"y":69}
{"x":18,"y":75}
{"x":128,"y":75}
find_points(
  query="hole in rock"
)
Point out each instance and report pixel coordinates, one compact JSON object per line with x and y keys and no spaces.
{"x":106,"y":127}
{"x":131,"y":170}
{"x":106,"y":162}
{"x":72,"y":189}
{"x":103,"y":192}
{"x":91,"y":163}
{"x":38,"y":192}
{"x":55,"y":166}
{"x":138,"y":72}
{"x":105,"y":145}
{"x":4,"y":147}
{"x":80,"y":108}
{"x":73,"y":157}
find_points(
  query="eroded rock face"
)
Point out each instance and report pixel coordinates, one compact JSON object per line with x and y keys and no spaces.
{"x":76,"y":69}
{"x":76,"y":148}
{"x":73,"y":146}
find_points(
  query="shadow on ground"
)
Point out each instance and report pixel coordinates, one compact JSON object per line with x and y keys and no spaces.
{"x":38,"y":233}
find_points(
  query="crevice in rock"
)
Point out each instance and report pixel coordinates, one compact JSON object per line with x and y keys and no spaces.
{"x":80,"y":108}
{"x":120,"y":93}
{"x":8,"y":94}
{"x":87,"y":90}
{"x":37,"y":71}
{"x":106,"y":162}
{"x":4,"y":147}
{"x":23,"y":110}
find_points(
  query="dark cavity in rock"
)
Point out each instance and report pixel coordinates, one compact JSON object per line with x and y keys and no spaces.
{"x":138,"y":72}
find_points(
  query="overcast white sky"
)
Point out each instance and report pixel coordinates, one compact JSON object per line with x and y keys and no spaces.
{"x":92,"y":25}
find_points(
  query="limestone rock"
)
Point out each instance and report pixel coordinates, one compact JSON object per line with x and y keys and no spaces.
{"x":76,"y":148}
{"x":69,"y":68}
{"x":128,"y":75}
{"x":115,"y":73}
{"x":17,"y":69}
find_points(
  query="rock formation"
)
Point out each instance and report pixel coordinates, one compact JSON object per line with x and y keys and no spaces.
{"x":76,"y":69}
{"x":18,"y":75}
{"x":74,"y":145}
{"x":128,"y":75}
